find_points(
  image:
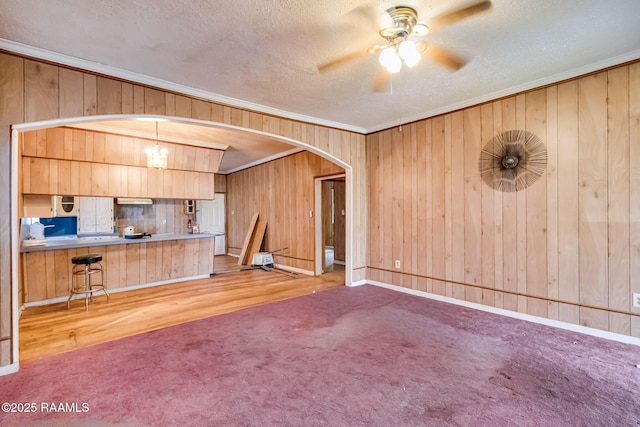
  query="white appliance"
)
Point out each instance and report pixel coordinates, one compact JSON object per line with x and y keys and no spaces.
{"x":65,"y":206}
{"x":262,"y":259}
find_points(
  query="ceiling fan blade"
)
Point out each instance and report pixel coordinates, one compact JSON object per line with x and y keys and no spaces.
{"x":323,"y":68}
{"x":367,"y":15}
{"x":443,"y":57}
{"x":458,"y":15}
{"x":380,"y":82}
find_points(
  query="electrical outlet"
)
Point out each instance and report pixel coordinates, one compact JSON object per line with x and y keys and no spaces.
{"x":397,"y":263}
{"x":164,"y":221}
{"x":636,"y":299}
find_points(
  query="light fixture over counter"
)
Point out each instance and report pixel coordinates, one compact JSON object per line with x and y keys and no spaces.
{"x":156,"y":156}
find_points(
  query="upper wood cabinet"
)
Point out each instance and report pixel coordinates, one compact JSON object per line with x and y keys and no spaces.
{"x":85,"y":163}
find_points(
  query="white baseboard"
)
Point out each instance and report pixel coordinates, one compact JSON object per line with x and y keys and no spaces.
{"x":359,"y":283}
{"x":111,"y":291}
{"x":336,"y":261}
{"x":522,"y":316}
{"x":9,"y":369}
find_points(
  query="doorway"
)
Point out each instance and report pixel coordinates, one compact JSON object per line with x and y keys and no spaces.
{"x":330,"y":223}
{"x":210,"y":217}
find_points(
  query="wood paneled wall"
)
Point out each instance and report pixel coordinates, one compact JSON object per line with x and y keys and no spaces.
{"x":34,"y":91}
{"x":86,"y":163}
{"x":47,"y":274}
{"x":283,"y":193}
{"x":220,"y":183}
{"x":566,"y":248}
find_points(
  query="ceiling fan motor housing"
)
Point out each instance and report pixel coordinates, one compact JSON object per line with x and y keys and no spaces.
{"x":403,"y":19}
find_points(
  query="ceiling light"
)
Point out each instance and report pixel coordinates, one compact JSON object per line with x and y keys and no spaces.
{"x":390,"y":60}
{"x":156,"y":157}
{"x":408,"y":51}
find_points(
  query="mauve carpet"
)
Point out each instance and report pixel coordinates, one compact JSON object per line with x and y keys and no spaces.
{"x":343,"y":357}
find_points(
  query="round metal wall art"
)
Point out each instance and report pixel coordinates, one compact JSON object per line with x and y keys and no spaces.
{"x":512,"y":160}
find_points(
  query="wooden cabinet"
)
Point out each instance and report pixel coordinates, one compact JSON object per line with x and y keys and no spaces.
{"x":36,"y":206}
{"x":95,"y":215}
{"x":41,"y":176}
{"x":189,"y":207}
{"x":119,"y":171}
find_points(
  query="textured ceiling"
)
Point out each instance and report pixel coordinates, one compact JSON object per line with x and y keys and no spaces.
{"x":263,"y":54}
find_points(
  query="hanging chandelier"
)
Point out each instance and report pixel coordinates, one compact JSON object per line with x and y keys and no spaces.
{"x":156,"y":156}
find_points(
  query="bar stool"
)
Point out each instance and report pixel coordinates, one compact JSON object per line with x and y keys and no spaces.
{"x":87,"y":265}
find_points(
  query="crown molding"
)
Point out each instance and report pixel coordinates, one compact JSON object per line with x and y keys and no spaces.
{"x":71,"y":61}
{"x":554,"y":79}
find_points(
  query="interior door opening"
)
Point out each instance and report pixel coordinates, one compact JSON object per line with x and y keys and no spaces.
{"x":330,"y":223}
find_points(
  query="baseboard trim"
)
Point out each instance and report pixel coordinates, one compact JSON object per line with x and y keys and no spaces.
{"x":626,"y":339}
{"x":9,"y":369}
{"x":359,"y":283}
{"x":111,"y":291}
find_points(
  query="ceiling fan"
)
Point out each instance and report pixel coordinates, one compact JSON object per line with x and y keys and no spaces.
{"x":401,"y":32}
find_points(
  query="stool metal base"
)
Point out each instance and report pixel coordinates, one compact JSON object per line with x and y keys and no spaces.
{"x":88,"y":288}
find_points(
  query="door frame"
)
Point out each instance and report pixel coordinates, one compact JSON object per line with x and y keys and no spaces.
{"x":318,"y":216}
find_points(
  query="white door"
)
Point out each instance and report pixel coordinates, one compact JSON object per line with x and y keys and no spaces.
{"x":104,"y":214}
{"x":95,"y":215}
{"x":86,"y":215}
{"x":210,"y":218}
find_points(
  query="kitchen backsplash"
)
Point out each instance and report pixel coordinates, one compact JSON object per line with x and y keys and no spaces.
{"x":163,"y":216}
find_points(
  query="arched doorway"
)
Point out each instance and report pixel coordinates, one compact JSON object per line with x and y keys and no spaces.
{"x":16,"y":129}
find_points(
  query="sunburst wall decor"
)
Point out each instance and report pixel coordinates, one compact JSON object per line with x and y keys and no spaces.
{"x":512,"y":160}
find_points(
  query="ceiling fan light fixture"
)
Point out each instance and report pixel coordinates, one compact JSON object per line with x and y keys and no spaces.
{"x":390,"y":60}
{"x":409,"y":53}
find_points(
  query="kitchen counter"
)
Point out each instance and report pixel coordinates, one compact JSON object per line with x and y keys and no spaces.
{"x":71,"y":242}
{"x":127,"y":263}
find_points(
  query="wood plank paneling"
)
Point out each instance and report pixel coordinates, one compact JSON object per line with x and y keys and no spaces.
{"x":565,"y":248}
{"x":618,"y":168}
{"x":40,"y":91}
{"x":634,"y":190}
{"x":83,"y":145}
{"x":488,"y":238}
{"x":256,"y":189}
{"x":552,"y":201}
{"x":472,"y":204}
{"x":592,"y":197}
{"x":112,"y":170}
{"x":536,"y":212}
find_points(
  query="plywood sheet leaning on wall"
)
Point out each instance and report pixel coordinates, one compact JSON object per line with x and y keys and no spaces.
{"x":247,"y":239}
{"x":256,"y":241}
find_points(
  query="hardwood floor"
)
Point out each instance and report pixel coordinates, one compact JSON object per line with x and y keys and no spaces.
{"x":52,"y":329}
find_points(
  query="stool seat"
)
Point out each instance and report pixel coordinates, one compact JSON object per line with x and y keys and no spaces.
{"x":86,"y":259}
{"x":86,"y":266}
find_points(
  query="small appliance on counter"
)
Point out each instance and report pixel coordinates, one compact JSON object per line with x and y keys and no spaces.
{"x":129,"y":233}
{"x":136,"y":235}
{"x":35,"y":236}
